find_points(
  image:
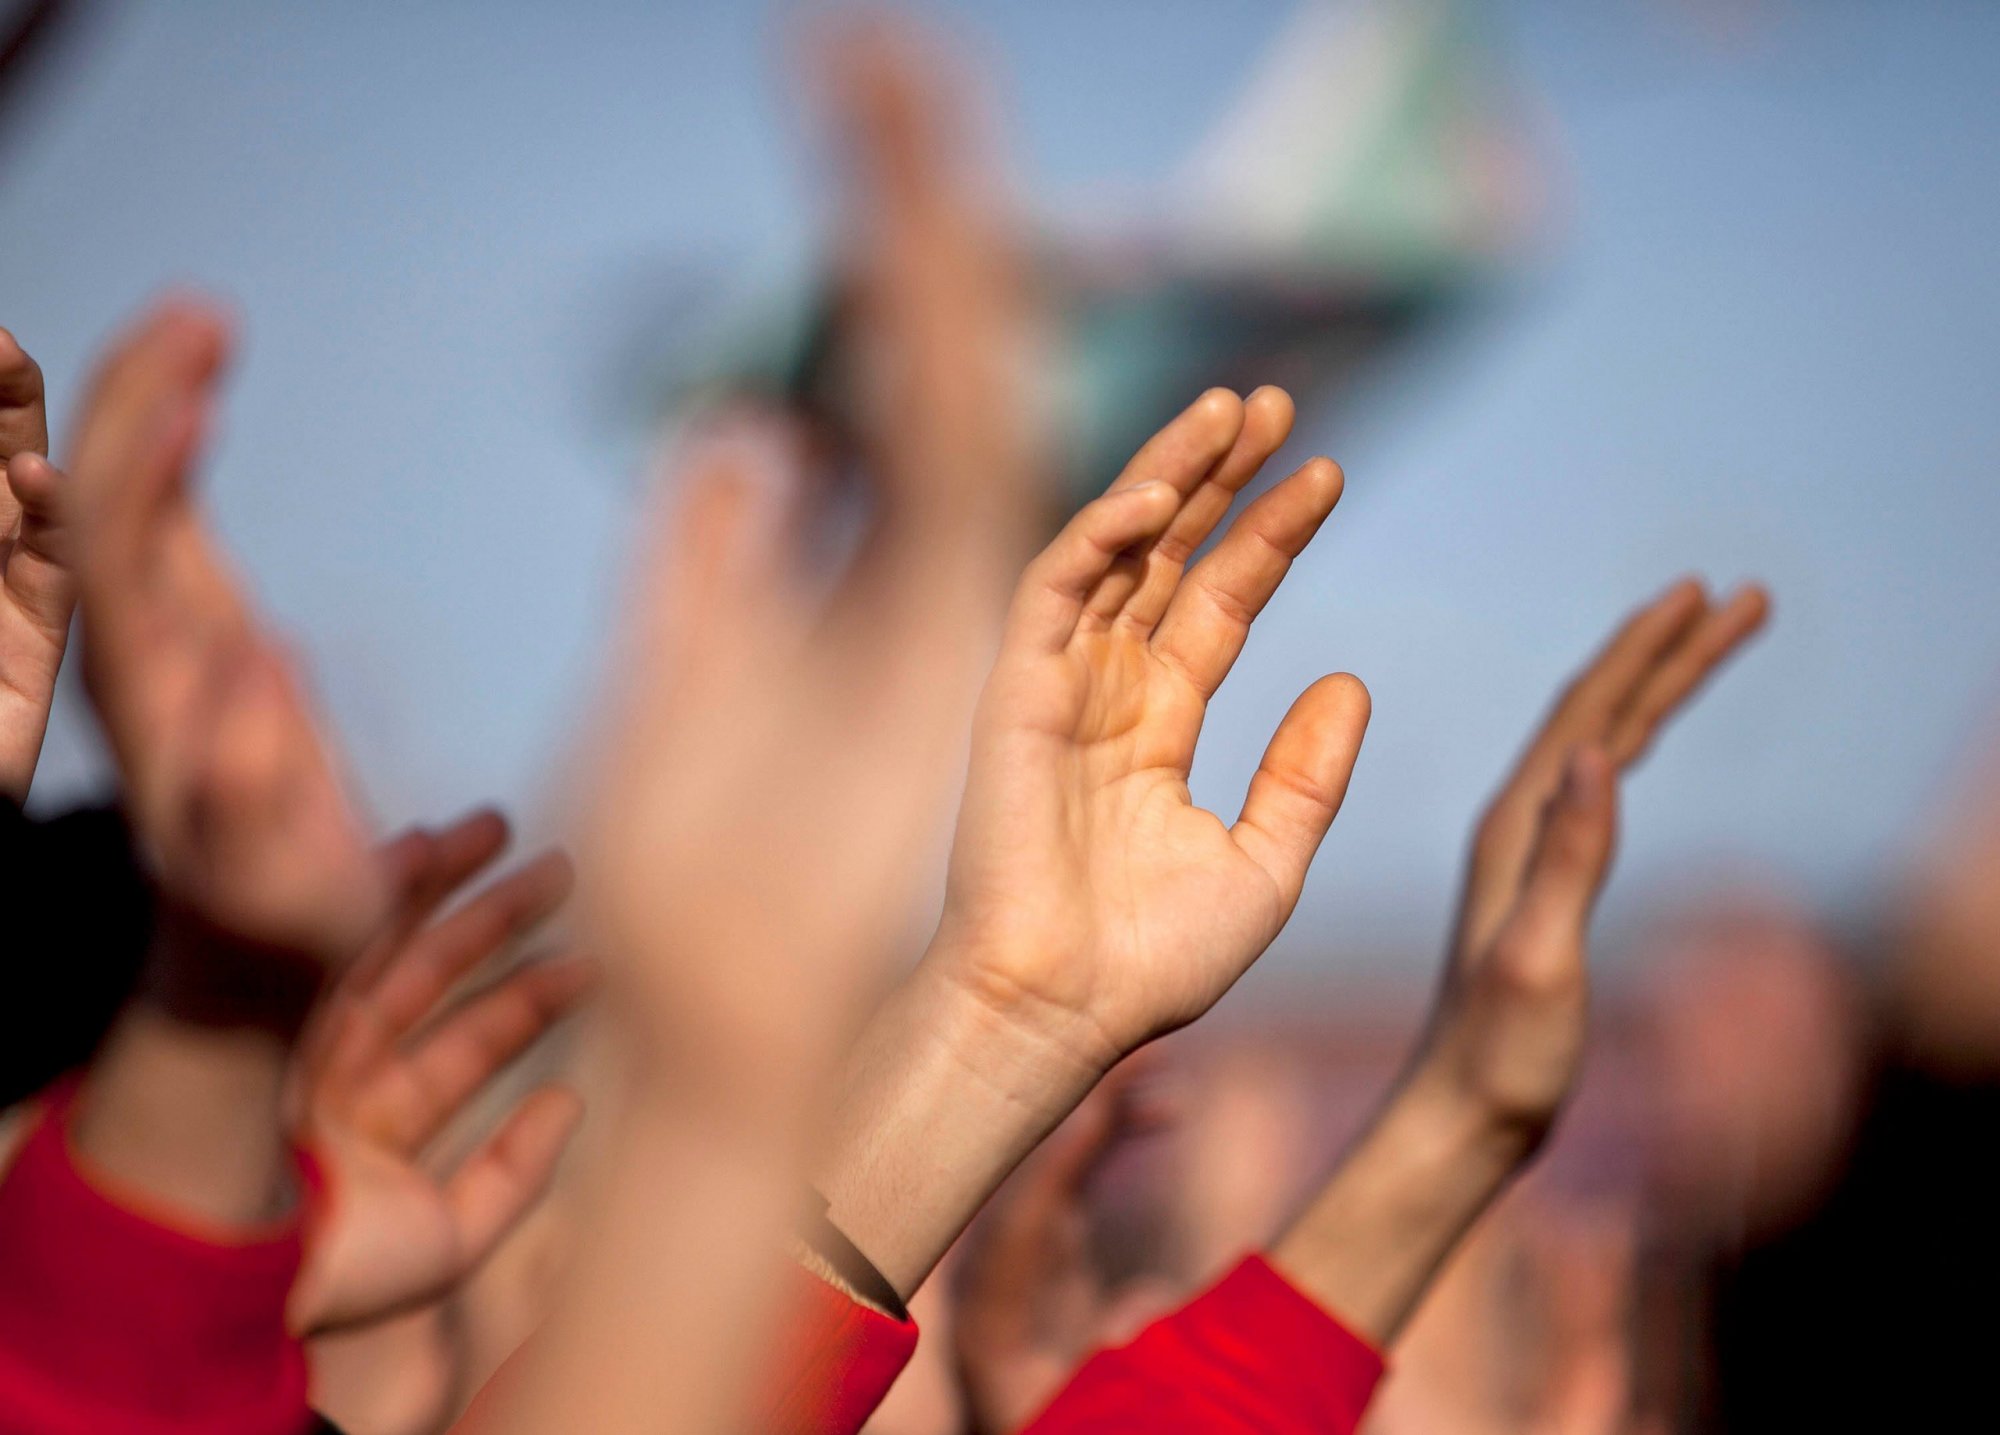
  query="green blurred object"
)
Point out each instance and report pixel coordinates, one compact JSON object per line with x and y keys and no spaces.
{"x":1373,"y":172}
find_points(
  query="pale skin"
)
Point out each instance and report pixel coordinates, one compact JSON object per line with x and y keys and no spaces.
{"x":1021,"y":1004}
{"x":776,"y":759}
{"x":1091,"y":906}
{"x":390,"y":1059}
{"x":37,"y":587}
{"x":265,"y":875}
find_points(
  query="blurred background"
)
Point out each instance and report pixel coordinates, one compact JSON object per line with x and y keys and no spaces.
{"x":1583,"y":294}
{"x":1640,"y":288}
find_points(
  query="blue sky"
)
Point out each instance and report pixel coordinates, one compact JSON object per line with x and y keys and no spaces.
{"x":1763,"y":338}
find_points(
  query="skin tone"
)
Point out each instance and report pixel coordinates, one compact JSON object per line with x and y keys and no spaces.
{"x":1090,"y":905}
{"x":37,"y":587}
{"x":983,"y":1049}
{"x":1506,"y":1037}
{"x":267,"y":886}
{"x":265,"y":876}
{"x":774,"y":766}
{"x":389,"y":1062}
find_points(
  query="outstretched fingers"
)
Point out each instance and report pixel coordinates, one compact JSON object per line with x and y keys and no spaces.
{"x":1300,"y":784}
{"x":425,"y":868}
{"x":1267,"y":423}
{"x":1542,"y":942}
{"x":1048,"y":604}
{"x":453,"y":1061}
{"x":1184,"y":455}
{"x":1702,"y":649}
{"x":1209,"y":617}
{"x":1637,"y":682}
{"x":1614,"y":677}
{"x":501,"y":1181}
{"x":451,"y":949}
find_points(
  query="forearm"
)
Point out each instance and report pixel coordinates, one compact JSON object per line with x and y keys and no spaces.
{"x":190,"y":1117}
{"x":665,"y":1317}
{"x":942,"y":1096}
{"x":1374,"y":1238}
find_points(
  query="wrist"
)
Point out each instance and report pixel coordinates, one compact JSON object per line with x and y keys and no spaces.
{"x":1500,"y":1101}
{"x":1451,"y":1129}
{"x":943,"y":1095}
{"x":1398,"y":1205}
{"x":978,"y":975}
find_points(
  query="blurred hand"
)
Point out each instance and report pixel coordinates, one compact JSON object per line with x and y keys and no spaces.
{"x":1088,"y":894}
{"x":232,"y":789}
{"x":788,"y":735}
{"x":1944,"y":982}
{"x":1031,"y":1303}
{"x":1507,"y":1034}
{"x":786,"y":728}
{"x":37,"y":589}
{"x":1509,"y":1029}
{"x":389,"y":1063}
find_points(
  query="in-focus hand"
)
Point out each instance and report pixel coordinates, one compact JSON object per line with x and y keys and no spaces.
{"x":233,"y":791}
{"x":389,"y":1062}
{"x":37,"y":589}
{"x":1087,"y":892}
{"x":1509,"y":1030}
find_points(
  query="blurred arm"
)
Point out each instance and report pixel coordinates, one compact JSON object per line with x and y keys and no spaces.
{"x":262,"y":866}
{"x":1507,"y":1036}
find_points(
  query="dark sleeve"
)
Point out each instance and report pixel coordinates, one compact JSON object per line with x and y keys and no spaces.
{"x":79,"y":916}
{"x":1251,"y":1354}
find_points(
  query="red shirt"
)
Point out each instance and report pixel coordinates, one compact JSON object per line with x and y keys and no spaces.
{"x":119,"y":1322}
{"x":1250,"y":1354}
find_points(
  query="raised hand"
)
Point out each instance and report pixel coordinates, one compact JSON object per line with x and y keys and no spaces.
{"x":232,"y":790}
{"x":1506,"y":1037}
{"x":37,"y":589}
{"x":774,"y":767}
{"x":1090,"y":905}
{"x":1087,"y":891}
{"x":1510,"y":1024}
{"x":390,"y":1062}
{"x":820,"y":723}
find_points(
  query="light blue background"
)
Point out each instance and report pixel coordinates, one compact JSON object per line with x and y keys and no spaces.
{"x":1765,"y":340}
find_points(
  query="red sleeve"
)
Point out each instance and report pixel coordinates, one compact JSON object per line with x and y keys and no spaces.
{"x":841,"y":1359}
{"x":117,"y":1321}
{"x":1252,"y":1354}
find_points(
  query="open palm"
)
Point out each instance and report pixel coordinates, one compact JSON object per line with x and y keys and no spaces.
{"x":1147,"y":907}
{"x":233,"y":786}
{"x":389,"y":1063}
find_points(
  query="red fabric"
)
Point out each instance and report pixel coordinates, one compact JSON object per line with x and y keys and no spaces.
{"x":116,"y":1322}
{"x":841,"y":1359}
{"x":1252,"y":1354}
